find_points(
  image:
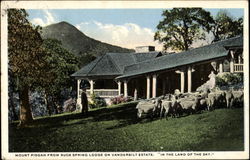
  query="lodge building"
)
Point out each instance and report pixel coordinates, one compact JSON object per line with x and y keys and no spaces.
{"x":148,"y":74}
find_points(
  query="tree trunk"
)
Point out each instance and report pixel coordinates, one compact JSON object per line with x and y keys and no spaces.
{"x":56,"y":108}
{"x":48,"y":104}
{"x":15,"y":117}
{"x":55,"y":105}
{"x":25,"y":110}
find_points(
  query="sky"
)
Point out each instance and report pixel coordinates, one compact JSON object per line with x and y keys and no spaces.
{"x":122,"y":27}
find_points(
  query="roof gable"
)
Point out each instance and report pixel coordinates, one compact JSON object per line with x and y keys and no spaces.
{"x":121,"y":60}
{"x":101,"y":66}
{"x":105,"y":67}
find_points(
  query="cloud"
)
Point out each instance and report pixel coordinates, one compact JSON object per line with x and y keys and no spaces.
{"x":47,"y":19}
{"x":128,"y":35}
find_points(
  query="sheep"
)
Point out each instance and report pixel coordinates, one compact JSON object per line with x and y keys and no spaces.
{"x":157,"y":109}
{"x":203,"y":103}
{"x":216,"y":99}
{"x":189,"y":105}
{"x":229,"y":99}
{"x":177,"y":110}
{"x":203,"y":94}
{"x":168,"y":105}
{"x":238,"y":98}
{"x":147,"y":107}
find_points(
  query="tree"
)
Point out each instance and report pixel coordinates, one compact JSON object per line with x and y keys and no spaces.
{"x":11,"y":90}
{"x":182,"y":26}
{"x":85,"y":58}
{"x":62,"y":64}
{"x":226,"y":26}
{"x":26,"y":58}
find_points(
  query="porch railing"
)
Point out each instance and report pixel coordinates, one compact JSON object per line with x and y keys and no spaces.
{"x":238,"y":67}
{"x":104,"y":92}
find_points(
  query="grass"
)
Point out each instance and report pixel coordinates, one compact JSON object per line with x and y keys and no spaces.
{"x":116,"y":128}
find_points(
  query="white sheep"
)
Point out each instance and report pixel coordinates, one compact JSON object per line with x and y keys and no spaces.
{"x":147,"y":107}
{"x":216,"y":99}
{"x":168,"y":105}
{"x":189,"y":105}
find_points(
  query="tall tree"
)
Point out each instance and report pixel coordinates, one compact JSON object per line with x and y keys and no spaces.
{"x":62,"y":64}
{"x":26,"y":58}
{"x":182,"y":26}
{"x":11,"y":90}
{"x":226,"y":26}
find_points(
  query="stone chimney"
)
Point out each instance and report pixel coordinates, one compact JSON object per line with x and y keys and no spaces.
{"x":141,"y":49}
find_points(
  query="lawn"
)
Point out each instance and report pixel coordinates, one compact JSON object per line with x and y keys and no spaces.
{"x":117,"y":129}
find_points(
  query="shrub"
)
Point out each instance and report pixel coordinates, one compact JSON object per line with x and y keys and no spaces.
{"x":97,"y":101}
{"x":69,"y":105}
{"x":120,"y":99}
{"x":229,"y":79}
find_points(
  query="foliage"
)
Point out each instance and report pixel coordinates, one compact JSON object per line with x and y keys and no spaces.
{"x":85,"y":58}
{"x":36,"y":64}
{"x":226,"y":26}
{"x":120,"y":99}
{"x":182,"y":26}
{"x":62,"y":64}
{"x":96,"y":101}
{"x":26,"y":58}
{"x":227,"y":79}
{"x":116,"y":128}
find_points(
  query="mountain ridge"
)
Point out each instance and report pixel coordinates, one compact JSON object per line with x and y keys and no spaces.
{"x":77,"y":42}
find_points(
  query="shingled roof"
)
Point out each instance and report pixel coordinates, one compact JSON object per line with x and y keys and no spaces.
{"x":101,"y":66}
{"x":113,"y":64}
{"x":122,"y":65}
{"x":140,"y":57}
{"x":208,"y":52}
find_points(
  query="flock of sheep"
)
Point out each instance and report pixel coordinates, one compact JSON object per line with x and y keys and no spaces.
{"x":177,"y":104}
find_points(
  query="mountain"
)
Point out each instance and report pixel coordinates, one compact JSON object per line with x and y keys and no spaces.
{"x":77,"y":42}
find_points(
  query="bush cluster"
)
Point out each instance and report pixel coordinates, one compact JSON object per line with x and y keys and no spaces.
{"x":120,"y":99}
{"x":229,"y":79}
{"x":96,"y":101}
{"x":69,"y":105}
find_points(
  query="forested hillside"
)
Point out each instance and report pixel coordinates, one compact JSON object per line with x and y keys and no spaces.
{"x":78,"y":43}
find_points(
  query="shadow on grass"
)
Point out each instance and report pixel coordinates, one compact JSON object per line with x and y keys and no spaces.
{"x":124,"y":113}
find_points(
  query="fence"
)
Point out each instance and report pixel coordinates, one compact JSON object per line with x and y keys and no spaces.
{"x":238,"y":67}
{"x":104,"y":92}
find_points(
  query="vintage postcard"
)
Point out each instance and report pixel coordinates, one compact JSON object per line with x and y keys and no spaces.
{"x":124,"y":80}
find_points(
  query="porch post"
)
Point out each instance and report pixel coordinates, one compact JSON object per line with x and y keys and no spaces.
{"x":220,"y":67}
{"x":78,"y":101}
{"x":78,"y":88}
{"x":182,"y":82}
{"x":182,"y":79}
{"x":91,"y":86}
{"x":232,"y":61}
{"x":125,"y":88}
{"x":154,"y":86}
{"x":119,"y":87}
{"x":189,"y":74}
{"x":135,"y":94}
{"x":148,"y":87}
